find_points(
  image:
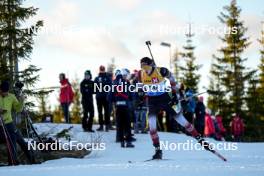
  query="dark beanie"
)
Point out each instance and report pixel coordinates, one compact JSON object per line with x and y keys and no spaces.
{"x":146,"y":60}
{"x":88,"y":72}
{"x":4,"y":86}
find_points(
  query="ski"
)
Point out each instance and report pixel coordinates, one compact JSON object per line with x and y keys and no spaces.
{"x":156,"y":160}
{"x":206,"y":146}
{"x":3,"y":165}
{"x":148,"y":160}
{"x":218,"y":155}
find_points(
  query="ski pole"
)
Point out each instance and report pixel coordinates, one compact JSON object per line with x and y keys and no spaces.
{"x":194,"y":95}
{"x":29,"y":125}
{"x":8,"y":143}
{"x":47,"y":88}
{"x":148,"y":43}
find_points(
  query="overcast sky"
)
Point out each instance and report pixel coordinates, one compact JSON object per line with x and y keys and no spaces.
{"x":84,"y":34}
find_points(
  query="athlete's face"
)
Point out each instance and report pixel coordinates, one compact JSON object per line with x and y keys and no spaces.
{"x":146,"y":68}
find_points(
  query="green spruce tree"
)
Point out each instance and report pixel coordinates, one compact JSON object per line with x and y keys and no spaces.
{"x":176,"y":65}
{"x":43,"y":102}
{"x":255,"y":126}
{"x":261,"y":74}
{"x":230,"y":63}
{"x":16,"y":40}
{"x":16,"y":44}
{"x":76,"y":107}
{"x":216,"y":101}
{"x":190,"y":78}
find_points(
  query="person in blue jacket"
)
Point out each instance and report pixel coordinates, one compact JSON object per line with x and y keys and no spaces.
{"x":189,"y":109}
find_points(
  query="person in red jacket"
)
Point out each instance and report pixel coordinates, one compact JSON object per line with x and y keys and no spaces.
{"x":237,"y":128}
{"x":221,"y":129}
{"x":66,"y":96}
{"x":209,"y":129}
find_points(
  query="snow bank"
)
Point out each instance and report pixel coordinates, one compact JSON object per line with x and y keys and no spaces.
{"x":248,"y":159}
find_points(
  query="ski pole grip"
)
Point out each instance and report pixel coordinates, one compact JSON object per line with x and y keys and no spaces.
{"x":148,"y":43}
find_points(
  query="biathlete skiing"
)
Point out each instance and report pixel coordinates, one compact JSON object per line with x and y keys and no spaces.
{"x":159,"y":98}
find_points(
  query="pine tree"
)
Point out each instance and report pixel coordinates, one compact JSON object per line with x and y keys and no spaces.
{"x":16,"y":44}
{"x":76,"y":108}
{"x":190,"y":77}
{"x":3,"y":59}
{"x":44,"y":108}
{"x":58,"y":116}
{"x":16,"y":41}
{"x":255,"y":109}
{"x":176,"y":65}
{"x":230,"y":64}
{"x":255,"y":97}
{"x":43,"y":102}
{"x":261,"y":86}
{"x":216,"y":100}
{"x":252,"y":98}
{"x":261,"y":74}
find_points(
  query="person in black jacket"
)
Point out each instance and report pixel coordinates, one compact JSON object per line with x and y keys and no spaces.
{"x":121,"y":98}
{"x":102,"y":99}
{"x":87,"y":91}
{"x":200,"y":116}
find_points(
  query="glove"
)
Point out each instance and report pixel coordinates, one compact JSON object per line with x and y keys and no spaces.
{"x":2,"y":111}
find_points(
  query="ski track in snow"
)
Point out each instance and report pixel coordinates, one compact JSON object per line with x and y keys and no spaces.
{"x":247,"y":160}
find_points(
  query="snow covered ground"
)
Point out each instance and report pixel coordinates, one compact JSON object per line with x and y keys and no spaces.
{"x":248,"y":159}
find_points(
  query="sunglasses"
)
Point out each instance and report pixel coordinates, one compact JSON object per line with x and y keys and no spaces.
{"x":146,"y":67}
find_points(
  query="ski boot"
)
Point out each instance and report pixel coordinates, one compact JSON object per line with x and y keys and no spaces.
{"x":129,"y":145}
{"x":203,"y":143}
{"x":106,"y":129}
{"x":89,"y":130}
{"x":111,"y":127}
{"x":131,"y":139}
{"x":123,"y":144}
{"x":101,"y":128}
{"x":157,"y":155}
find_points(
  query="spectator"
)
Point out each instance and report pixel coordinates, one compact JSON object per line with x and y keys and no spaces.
{"x":190,"y":106}
{"x":121,"y":99}
{"x":221,"y":129}
{"x":110,"y":74}
{"x":209,"y":129}
{"x":87,"y":91}
{"x":174,"y":126}
{"x":237,"y":128}
{"x":66,"y":96}
{"x":102,"y":99}
{"x":139,"y":103}
{"x":9,"y":103}
{"x":131,"y":108}
{"x":200,"y":116}
{"x":140,"y":114}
